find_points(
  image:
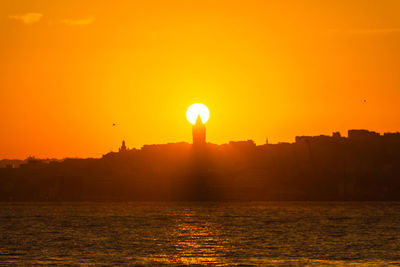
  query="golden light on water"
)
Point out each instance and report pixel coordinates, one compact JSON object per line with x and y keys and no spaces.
{"x":196,"y":110}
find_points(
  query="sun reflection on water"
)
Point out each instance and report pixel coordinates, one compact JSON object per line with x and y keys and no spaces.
{"x":197,"y":241}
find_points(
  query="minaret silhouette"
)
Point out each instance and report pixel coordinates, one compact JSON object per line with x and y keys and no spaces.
{"x":199,"y":132}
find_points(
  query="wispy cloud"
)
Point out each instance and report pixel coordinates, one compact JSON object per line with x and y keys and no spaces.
{"x":28,"y":18}
{"x":79,"y":22}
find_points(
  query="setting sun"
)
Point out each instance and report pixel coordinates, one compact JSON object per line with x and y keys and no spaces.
{"x":304,"y":140}
{"x":195,"y":110}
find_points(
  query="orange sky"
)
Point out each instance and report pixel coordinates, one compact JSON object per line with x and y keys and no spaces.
{"x":276,"y":69}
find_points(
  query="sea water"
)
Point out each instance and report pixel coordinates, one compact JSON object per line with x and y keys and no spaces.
{"x":201,"y":233}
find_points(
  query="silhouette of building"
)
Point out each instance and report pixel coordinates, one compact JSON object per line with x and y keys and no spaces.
{"x":362,"y":135}
{"x":336,"y":135}
{"x":123,"y":147}
{"x":199,"y":132}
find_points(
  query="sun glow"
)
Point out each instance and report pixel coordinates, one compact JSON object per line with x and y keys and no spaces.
{"x":195,"y":110}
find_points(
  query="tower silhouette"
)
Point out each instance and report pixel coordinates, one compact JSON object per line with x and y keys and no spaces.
{"x":123,"y":147}
{"x":199,"y":132}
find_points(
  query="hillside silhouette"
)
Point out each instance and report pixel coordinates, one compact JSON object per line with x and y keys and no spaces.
{"x":363,"y":166}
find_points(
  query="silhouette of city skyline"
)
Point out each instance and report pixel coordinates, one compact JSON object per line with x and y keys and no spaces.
{"x":362,"y":166}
